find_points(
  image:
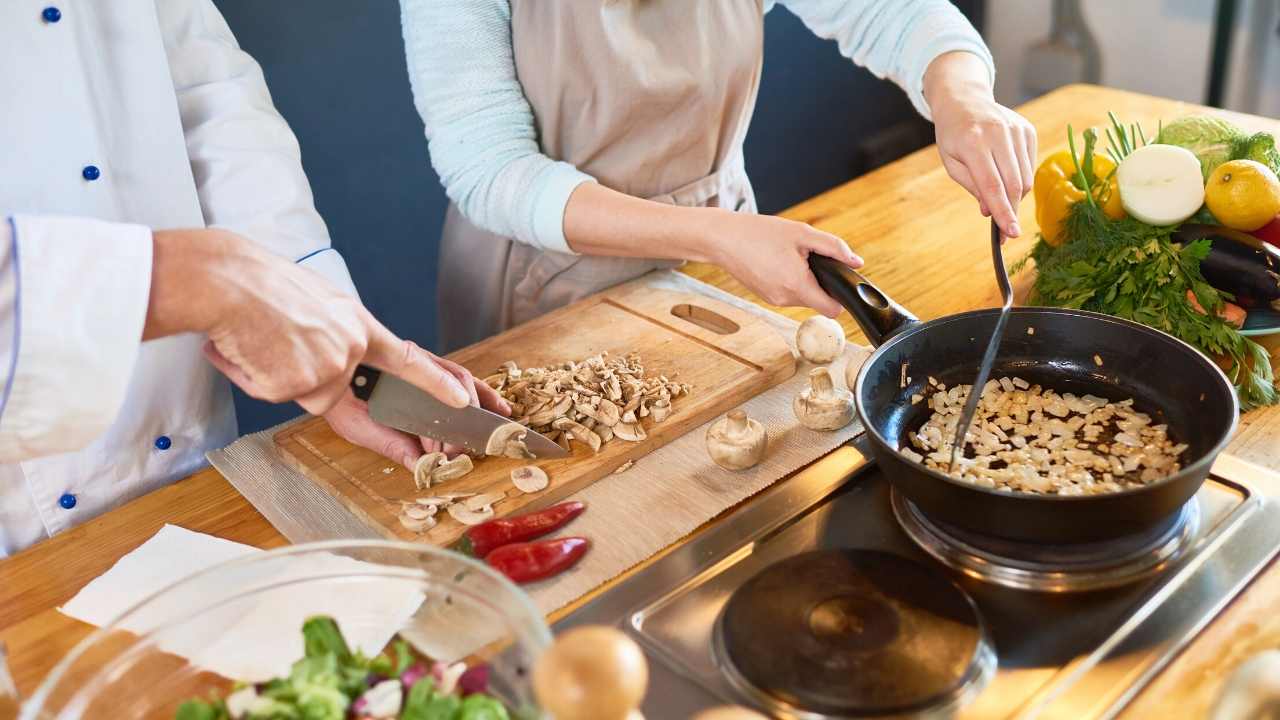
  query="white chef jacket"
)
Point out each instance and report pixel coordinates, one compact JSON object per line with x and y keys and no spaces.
{"x":118,"y":117}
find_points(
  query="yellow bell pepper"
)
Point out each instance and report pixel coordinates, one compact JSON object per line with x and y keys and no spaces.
{"x":1055,"y":193}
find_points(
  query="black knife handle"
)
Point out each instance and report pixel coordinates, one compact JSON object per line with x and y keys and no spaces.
{"x":363,"y":380}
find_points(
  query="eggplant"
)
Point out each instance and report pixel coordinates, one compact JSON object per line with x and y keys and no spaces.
{"x":1238,"y":266}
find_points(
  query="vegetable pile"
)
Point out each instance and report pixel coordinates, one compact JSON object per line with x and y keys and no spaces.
{"x":333,"y":683}
{"x":1147,"y":263}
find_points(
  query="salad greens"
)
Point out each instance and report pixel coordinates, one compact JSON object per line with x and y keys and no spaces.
{"x":331,"y":682}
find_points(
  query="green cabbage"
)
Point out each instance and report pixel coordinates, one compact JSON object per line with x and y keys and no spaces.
{"x":1212,"y":140}
{"x":1216,"y":141}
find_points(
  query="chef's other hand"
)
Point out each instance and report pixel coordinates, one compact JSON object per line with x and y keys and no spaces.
{"x":350,"y":419}
{"x":987,"y":148}
{"x":276,"y":329}
{"x":770,"y":255}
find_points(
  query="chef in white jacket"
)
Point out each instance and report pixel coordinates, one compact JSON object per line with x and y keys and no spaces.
{"x":127,"y":128}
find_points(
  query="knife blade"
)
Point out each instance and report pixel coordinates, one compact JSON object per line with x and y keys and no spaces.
{"x":398,"y":404}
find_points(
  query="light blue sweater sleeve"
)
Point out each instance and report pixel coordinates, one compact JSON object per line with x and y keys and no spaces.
{"x":480,"y":129}
{"x":894,"y":39}
{"x":479,"y":126}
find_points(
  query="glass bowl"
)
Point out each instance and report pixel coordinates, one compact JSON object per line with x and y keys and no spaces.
{"x":242,"y":619}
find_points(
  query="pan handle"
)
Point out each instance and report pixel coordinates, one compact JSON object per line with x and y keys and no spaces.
{"x":879,"y":316}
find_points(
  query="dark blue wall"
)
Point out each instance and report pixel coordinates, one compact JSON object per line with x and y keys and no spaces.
{"x":336,"y":70}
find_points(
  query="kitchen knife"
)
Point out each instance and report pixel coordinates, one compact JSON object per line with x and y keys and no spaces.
{"x":398,"y":404}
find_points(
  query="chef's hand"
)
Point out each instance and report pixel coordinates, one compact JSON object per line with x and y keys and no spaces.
{"x":770,"y":255}
{"x":987,"y":148}
{"x":276,"y":329}
{"x":350,"y":419}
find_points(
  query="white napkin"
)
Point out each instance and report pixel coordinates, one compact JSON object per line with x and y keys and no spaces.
{"x":252,"y":639}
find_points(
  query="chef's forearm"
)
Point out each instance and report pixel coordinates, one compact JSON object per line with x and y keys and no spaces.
{"x":185,"y":264}
{"x":600,"y":221}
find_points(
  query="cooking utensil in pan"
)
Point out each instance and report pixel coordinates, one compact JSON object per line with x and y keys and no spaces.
{"x":993,"y":344}
{"x":1055,"y":347}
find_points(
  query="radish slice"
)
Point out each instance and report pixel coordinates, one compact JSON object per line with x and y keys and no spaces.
{"x":1160,"y":184}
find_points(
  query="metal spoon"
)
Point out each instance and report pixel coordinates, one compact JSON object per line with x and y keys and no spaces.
{"x":989,"y":357}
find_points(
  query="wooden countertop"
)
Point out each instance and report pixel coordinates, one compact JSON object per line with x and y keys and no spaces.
{"x":925,"y":244}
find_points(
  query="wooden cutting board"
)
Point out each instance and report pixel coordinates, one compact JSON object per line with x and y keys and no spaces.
{"x":726,"y":354}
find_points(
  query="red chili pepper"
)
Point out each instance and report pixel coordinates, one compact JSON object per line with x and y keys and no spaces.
{"x":527,"y":562}
{"x":482,"y":539}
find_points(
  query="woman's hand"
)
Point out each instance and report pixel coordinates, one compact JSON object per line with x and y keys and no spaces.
{"x":350,"y":419}
{"x":767,"y":254}
{"x":987,"y":148}
{"x":770,"y":255}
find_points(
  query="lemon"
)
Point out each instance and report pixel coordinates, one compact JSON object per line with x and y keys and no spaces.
{"x":1243,"y":194}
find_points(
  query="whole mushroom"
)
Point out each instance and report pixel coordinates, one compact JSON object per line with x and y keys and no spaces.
{"x":820,"y":339}
{"x":822,"y":405}
{"x":736,"y":442}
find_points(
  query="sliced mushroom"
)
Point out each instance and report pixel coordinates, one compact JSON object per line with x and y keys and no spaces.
{"x":452,"y":469}
{"x":433,"y":501}
{"x":508,"y":441}
{"x":579,"y":432}
{"x":423,"y":469}
{"x":478,"y":502}
{"x":466,"y":516}
{"x":605,"y":432}
{"x":661,"y":410}
{"x":624,"y":467}
{"x":530,"y":479}
{"x":548,"y":415}
{"x":629,"y":431}
{"x":822,"y":405}
{"x":417,"y":525}
{"x":736,"y":442}
{"x":418,"y":512}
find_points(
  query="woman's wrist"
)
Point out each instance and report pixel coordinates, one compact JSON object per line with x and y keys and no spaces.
{"x":957,"y":76}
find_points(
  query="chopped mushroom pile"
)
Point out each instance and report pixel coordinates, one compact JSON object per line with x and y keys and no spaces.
{"x":591,"y":402}
{"x":1031,"y":439}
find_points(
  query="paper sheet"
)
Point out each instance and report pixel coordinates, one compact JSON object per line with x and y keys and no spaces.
{"x":251,"y":639}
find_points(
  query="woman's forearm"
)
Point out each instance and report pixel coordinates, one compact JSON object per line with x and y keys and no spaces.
{"x":956,"y":74}
{"x":601,"y":221}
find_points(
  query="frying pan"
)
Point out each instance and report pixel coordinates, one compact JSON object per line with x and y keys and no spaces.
{"x":1167,"y":379}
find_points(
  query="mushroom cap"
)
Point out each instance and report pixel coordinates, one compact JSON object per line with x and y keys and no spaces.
{"x":819,"y":339}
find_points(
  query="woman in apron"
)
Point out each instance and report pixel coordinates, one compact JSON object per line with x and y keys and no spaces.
{"x":583,"y":143}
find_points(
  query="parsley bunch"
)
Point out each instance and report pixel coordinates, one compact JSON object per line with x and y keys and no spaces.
{"x":1136,"y":271}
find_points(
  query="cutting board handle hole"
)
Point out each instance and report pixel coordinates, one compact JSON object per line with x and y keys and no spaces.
{"x":705,"y":319}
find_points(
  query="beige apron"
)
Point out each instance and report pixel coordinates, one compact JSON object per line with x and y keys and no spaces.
{"x":650,"y":97}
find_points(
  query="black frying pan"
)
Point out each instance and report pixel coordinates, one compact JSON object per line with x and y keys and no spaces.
{"x":1166,"y":378}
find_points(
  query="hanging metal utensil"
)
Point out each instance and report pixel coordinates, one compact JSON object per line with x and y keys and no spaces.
{"x":989,"y":357}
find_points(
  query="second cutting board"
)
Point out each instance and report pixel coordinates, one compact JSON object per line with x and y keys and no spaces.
{"x":727,"y":355}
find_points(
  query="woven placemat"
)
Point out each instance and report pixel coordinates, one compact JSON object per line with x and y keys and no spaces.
{"x":630,"y":517}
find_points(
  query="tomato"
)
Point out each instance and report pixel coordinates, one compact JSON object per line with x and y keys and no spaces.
{"x":1269,"y":233}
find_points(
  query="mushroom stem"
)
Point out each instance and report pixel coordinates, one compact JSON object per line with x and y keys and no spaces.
{"x":820,"y":381}
{"x":738,"y":425}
